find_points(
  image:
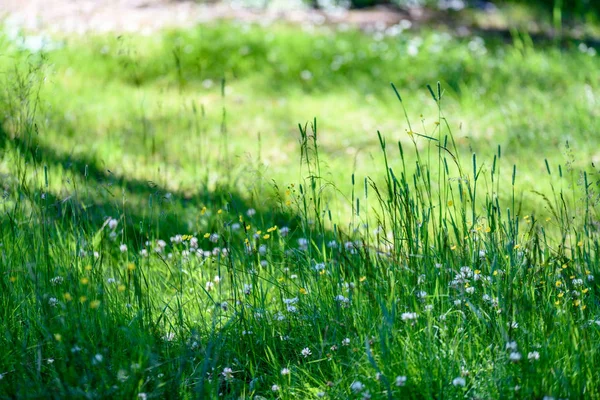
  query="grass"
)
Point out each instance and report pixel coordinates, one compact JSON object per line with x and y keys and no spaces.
{"x":168,"y":230}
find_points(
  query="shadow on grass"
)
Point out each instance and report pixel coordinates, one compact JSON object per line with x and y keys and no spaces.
{"x":148,"y":208}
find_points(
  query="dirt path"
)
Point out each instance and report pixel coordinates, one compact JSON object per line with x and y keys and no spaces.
{"x":145,"y":16}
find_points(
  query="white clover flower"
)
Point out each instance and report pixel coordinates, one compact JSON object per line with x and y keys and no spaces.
{"x":421,"y":294}
{"x":401,"y":380}
{"x":429,"y":307}
{"x":285,"y":371}
{"x":144,"y":253}
{"x":515,"y":356}
{"x":235,"y":226}
{"x":123,"y":248}
{"x":470,"y":290}
{"x":408,"y":316}
{"x":457,"y":302}
{"x":264,"y":263}
{"x":342,"y":299}
{"x":214,"y":237}
{"x":275,"y":388}
{"x":533,"y":356}
{"x":291,"y":309}
{"x":302,"y":243}
{"x":111,"y":281}
{"x":279,"y":317}
{"x":482,"y":253}
{"x":227,"y":373}
{"x":332,"y":244}
{"x":194,"y":243}
{"x":262,"y":249}
{"x":112,"y":223}
{"x":357,"y":386}
{"x":209,"y":286}
{"x":459,"y":381}
{"x":57,"y":280}
{"x":142,"y":396}
{"x":217,"y":279}
{"x":98,"y":358}
{"x":288,"y":302}
{"x":284,"y":231}
{"x":346,"y":342}
{"x":247,"y":289}
{"x":177,"y":239}
{"x":306,"y":352}
{"x":577,"y":282}
{"x":52,"y":301}
{"x":511,"y":346}
{"x":251,"y":212}
{"x":319,"y":267}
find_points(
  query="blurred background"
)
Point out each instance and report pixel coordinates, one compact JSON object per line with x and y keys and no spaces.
{"x":189,"y":94}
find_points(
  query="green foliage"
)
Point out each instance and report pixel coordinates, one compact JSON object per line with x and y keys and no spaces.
{"x":152,"y":245}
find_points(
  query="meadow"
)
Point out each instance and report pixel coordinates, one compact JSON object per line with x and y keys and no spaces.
{"x":247,"y":211}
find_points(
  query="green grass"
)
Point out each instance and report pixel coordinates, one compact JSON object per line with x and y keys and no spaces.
{"x":460,"y":242}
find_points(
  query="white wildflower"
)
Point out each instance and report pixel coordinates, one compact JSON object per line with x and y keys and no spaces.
{"x":342,"y":300}
{"x":357,"y":386}
{"x":227,"y":373}
{"x":515,"y":356}
{"x":302,"y":243}
{"x":459,"y":381}
{"x":291,"y":309}
{"x":247,"y":289}
{"x":112,"y":223}
{"x":401,"y":380}
{"x":57,"y":280}
{"x":262,"y":249}
{"x":511,"y":346}
{"x":407,"y":316}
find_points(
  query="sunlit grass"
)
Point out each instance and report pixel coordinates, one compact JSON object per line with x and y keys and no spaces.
{"x":164,"y":235}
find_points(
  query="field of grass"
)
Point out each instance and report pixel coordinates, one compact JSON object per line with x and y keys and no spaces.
{"x":239,"y":211}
